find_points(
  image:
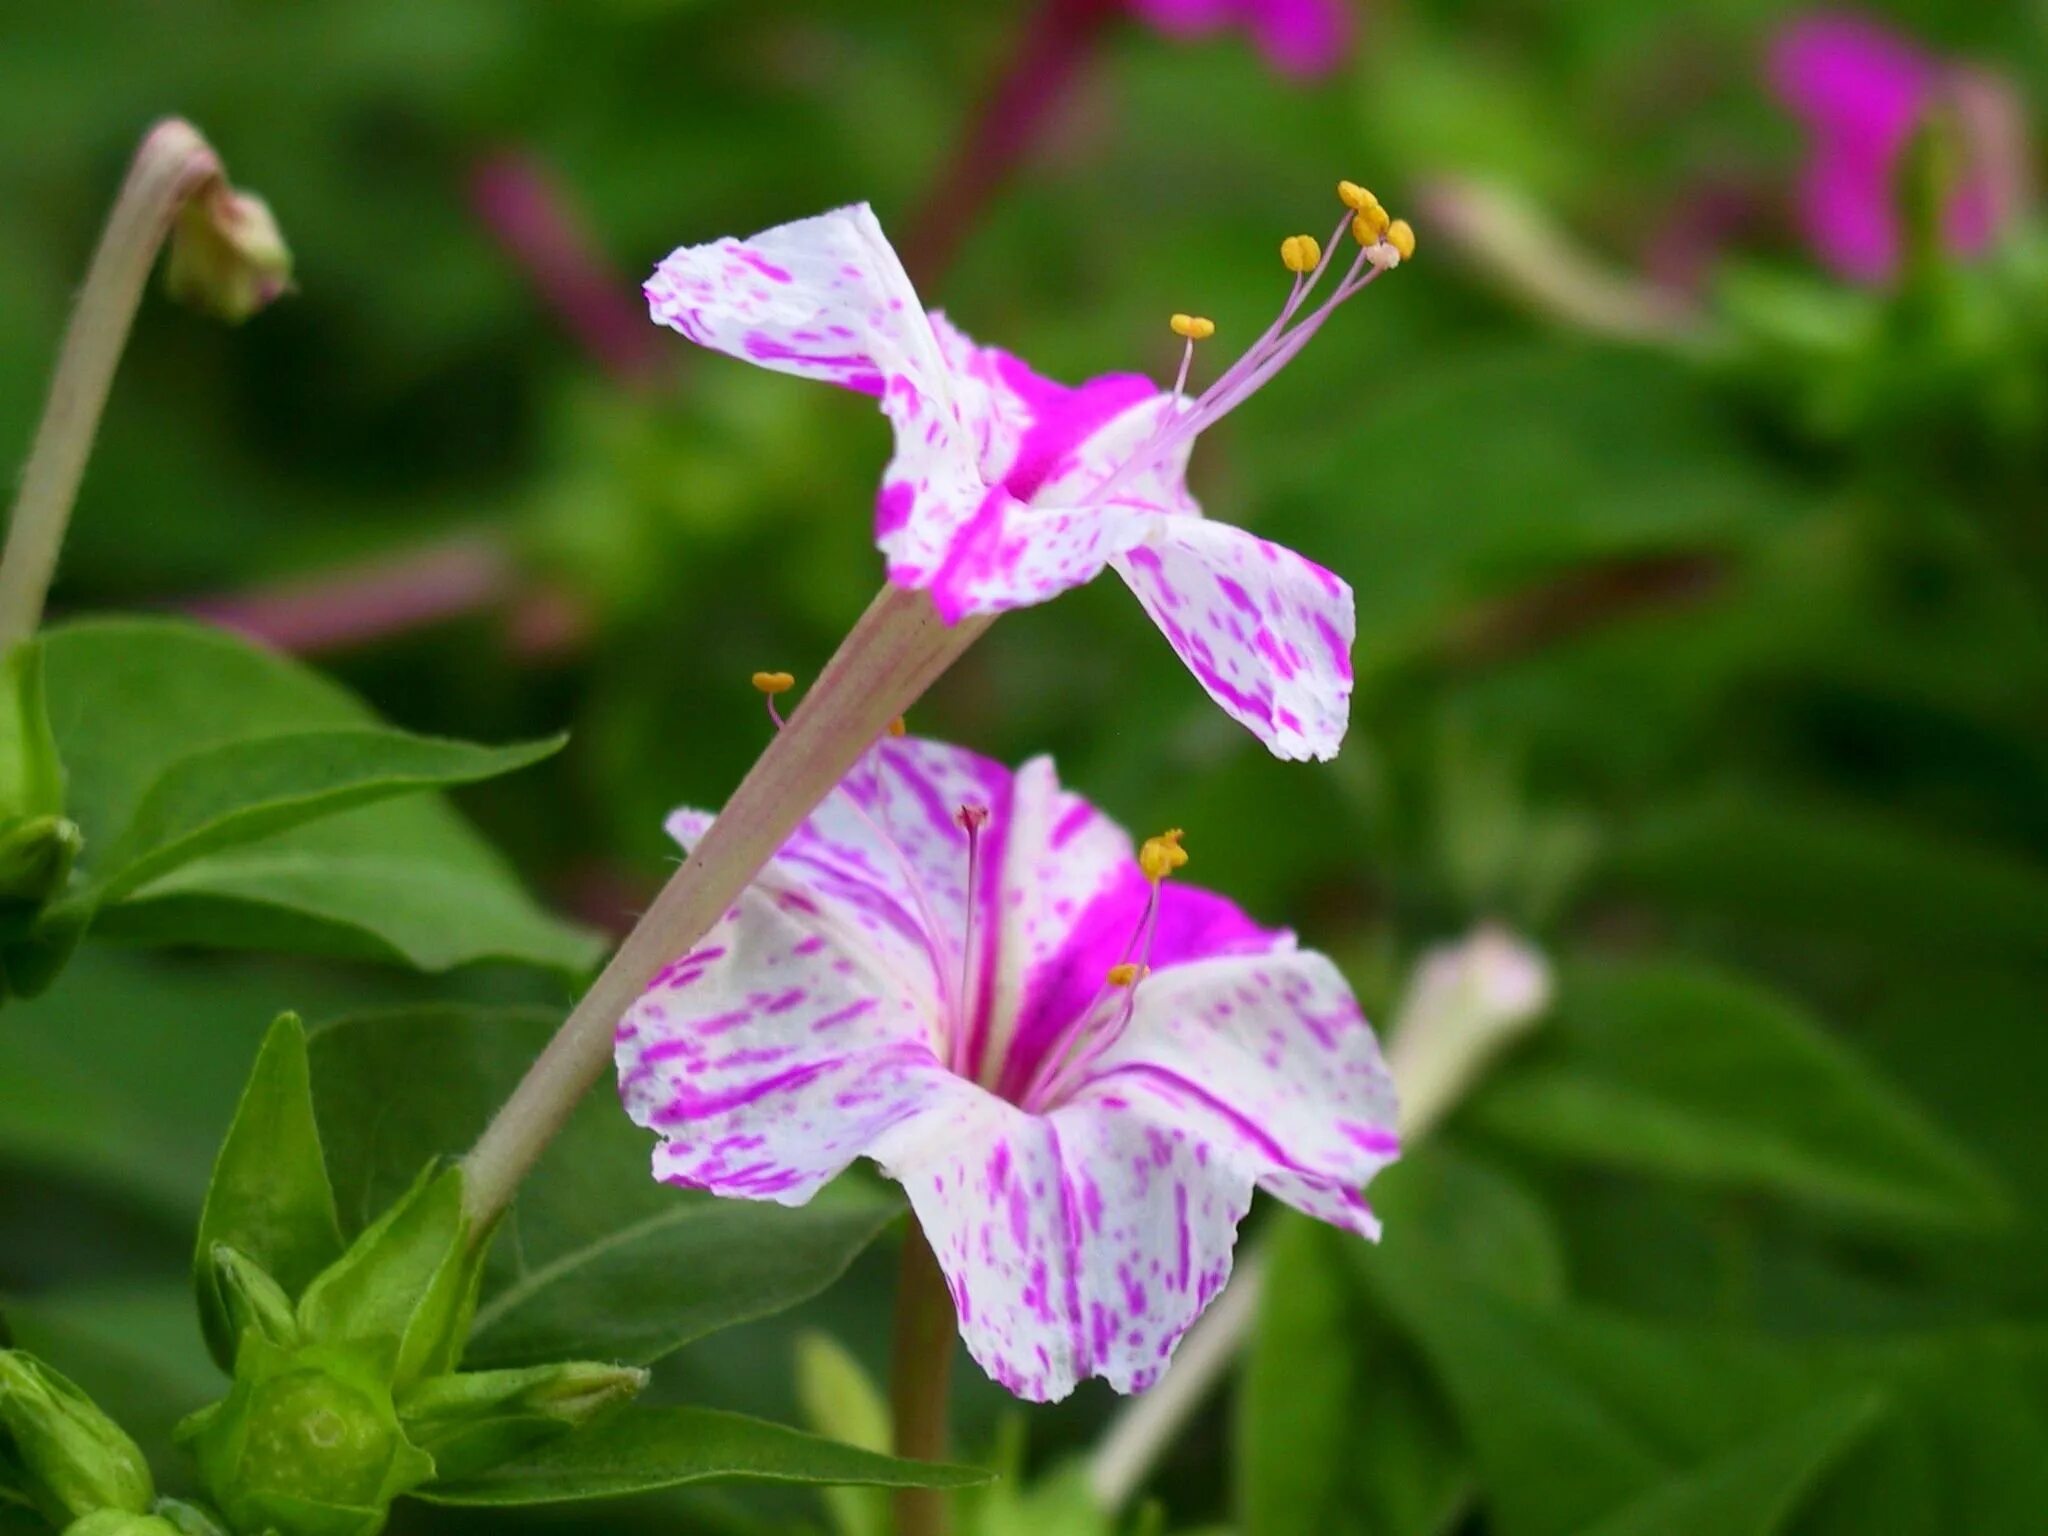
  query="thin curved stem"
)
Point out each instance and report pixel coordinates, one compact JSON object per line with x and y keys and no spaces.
{"x":896,"y":651}
{"x":173,"y":162}
{"x":920,"y":1381}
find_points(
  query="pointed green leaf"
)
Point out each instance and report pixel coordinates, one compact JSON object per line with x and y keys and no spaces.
{"x":406,"y":1284}
{"x":643,"y":1449}
{"x":1678,"y":1071}
{"x":1754,"y":1488}
{"x":143,"y":708}
{"x":245,"y":791}
{"x":270,"y":1199}
{"x":597,"y":1259}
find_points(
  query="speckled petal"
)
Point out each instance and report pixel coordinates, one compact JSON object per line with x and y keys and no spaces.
{"x":1076,"y":1244}
{"x":772,"y":1055}
{"x":1267,"y":633}
{"x":885,"y":859}
{"x":1269,"y":1060}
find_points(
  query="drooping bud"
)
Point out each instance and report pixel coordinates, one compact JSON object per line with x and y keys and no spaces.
{"x":69,"y":1459}
{"x":228,"y":258}
{"x":306,"y":1443}
{"x":472,"y":1421}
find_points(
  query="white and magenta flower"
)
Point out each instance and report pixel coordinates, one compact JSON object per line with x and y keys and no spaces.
{"x":1862,"y":91}
{"x":1302,"y":38}
{"x":1077,"y":1070}
{"x":1007,"y":488}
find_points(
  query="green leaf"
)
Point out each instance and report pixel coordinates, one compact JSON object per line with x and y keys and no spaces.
{"x":270,"y":1199}
{"x":595,"y":1259}
{"x":1578,"y":1416}
{"x":1754,"y":1488}
{"x":245,"y":791}
{"x":643,"y":1449}
{"x":1815,"y":872}
{"x":1339,"y":1428}
{"x":133,"y":704}
{"x":1677,"y":1071}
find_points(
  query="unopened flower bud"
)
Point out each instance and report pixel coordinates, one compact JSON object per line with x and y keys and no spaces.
{"x":471,"y":1421}
{"x":238,"y":1296}
{"x":228,"y":258}
{"x":73,"y":1460}
{"x":1466,"y":1002}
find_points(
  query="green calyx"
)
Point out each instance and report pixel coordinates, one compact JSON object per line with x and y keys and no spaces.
{"x":476,"y":1420}
{"x":307,"y":1443}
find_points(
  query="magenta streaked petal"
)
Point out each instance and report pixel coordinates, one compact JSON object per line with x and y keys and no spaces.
{"x":1268,"y":1060}
{"x":1081,"y":1243}
{"x":1266,"y":632}
{"x":1304,"y":38}
{"x":772,"y":1055}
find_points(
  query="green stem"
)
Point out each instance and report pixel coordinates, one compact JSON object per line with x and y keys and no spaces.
{"x":920,"y":1377}
{"x":172,"y":164}
{"x":896,"y":651}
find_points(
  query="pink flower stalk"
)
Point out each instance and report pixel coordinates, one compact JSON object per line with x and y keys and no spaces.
{"x":537,"y":223}
{"x":1301,"y":38}
{"x":1862,"y":91}
{"x":1077,"y":1069}
{"x":1007,"y":488}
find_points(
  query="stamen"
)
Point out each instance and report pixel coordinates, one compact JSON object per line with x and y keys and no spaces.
{"x":972,"y":819}
{"x":770,"y":684}
{"x":1382,"y":244}
{"x":1162,"y":855}
{"x":1087,"y":1035}
{"x":897,"y":727}
{"x":1300,"y":253}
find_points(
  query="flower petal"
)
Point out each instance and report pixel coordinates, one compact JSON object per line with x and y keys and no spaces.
{"x":1267,"y":633}
{"x":1034,"y":528}
{"x":773,"y":1054}
{"x":822,"y":298}
{"x":1077,"y":1244}
{"x":884,"y":859}
{"x":1269,"y":1060}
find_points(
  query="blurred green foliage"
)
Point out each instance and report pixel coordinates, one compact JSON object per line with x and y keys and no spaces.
{"x":1719,"y":670}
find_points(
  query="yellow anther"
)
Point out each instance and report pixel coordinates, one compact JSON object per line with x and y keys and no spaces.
{"x":772,"y":683}
{"x":1355,"y":197}
{"x":1124,"y":975}
{"x":1194,"y":327}
{"x":1401,"y":236}
{"x":1300,"y":253}
{"x":1369,"y":224}
{"x":1162,"y":855}
{"x":897,"y":727}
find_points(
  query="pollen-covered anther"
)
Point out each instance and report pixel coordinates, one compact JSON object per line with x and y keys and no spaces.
{"x":1194,"y":327}
{"x":1369,"y":224}
{"x":1401,"y":236}
{"x":1300,"y":253}
{"x":772,"y":683}
{"x":897,"y":727}
{"x":1127,"y":974}
{"x":1355,"y":197}
{"x":1162,"y":855}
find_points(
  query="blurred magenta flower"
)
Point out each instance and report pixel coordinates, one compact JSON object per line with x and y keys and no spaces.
{"x":1302,"y":38}
{"x":1077,"y":1068}
{"x":1007,"y":488}
{"x":1862,"y":91}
